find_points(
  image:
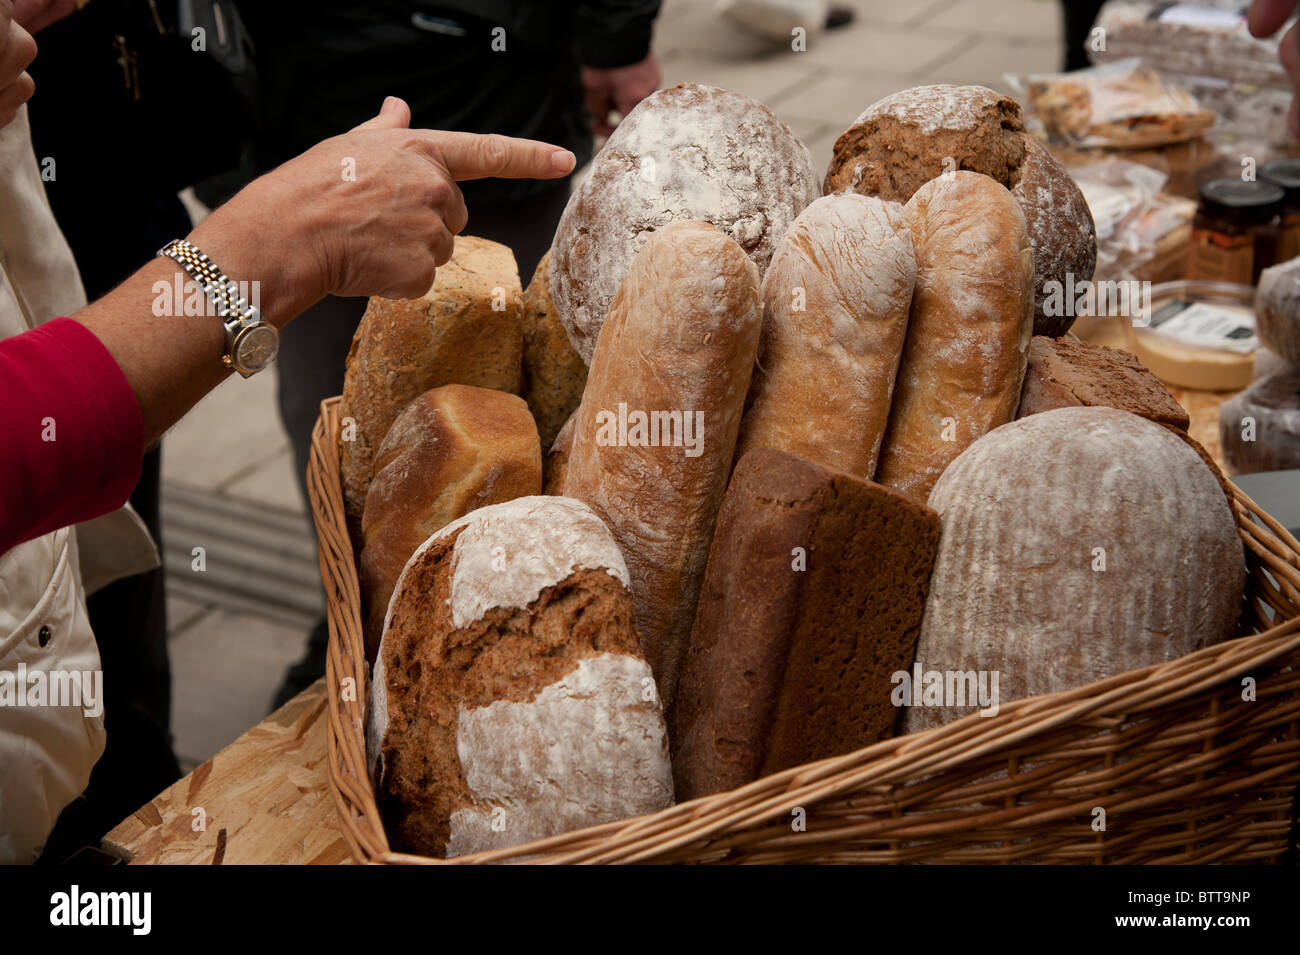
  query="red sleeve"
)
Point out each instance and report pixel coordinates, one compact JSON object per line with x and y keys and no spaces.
{"x":71,"y":435}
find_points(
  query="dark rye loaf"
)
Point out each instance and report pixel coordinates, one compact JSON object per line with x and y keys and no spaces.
{"x":510,"y":700}
{"x":787,"y":665}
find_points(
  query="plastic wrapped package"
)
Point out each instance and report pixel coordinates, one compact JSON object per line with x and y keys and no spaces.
{"x":1124,"y":200}
{"x":1260,"y":428}
{"x":1277,"y":310}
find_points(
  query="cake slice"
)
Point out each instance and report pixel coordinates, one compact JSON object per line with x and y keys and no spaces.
{"x":1069,"y":373}
{"x":812,"y":600}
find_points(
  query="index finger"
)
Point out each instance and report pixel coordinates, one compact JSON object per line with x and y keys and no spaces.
{"x":1267,"y":16}
{"x":477,"y":156}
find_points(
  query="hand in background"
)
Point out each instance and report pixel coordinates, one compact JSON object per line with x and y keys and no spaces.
{"x":618,"y":90}
{"x":371,"y":212}
{"x":17,"y":50}
{"x":36,"y":15}
{"x":1266,"y":17}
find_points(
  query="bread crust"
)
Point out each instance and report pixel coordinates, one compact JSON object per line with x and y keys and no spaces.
{"x":681,"y":336}
{"x":835,"y":311}
{"x":554,"y":375}
{"x":968,"y":336}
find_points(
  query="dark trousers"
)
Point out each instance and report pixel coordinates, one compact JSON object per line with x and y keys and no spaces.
{"x":1080,"y":15}
{"x":314,"y":349}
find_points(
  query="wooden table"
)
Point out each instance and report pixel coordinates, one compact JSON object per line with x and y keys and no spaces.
{"x":263,"y":799}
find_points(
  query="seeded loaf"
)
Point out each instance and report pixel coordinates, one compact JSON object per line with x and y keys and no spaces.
{"x":450,"y":451}
{"x":968,"y":333}
{"x":465,"y":330}
{"x":835,"y":304}
{"x":510,"y":700}
{"x":1066,"y":372}
{"x":909,"y":138}
{"x":689,"y":152}
{"x":1077,"y":543}
{"x":554,"y":375}
{"x":680,"y":338}
{"x":812,"y":600}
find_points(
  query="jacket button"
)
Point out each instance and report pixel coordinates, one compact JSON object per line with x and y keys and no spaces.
{"x":43,"y":637}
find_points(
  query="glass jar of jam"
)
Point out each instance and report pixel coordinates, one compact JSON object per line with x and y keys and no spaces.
{"x":1286,"y":173}
{"x":1235,"y":232}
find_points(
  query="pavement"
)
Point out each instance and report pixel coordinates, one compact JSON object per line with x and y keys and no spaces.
{"x":228,"y":478}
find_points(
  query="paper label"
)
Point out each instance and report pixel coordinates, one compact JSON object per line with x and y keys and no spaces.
{"x":1198,"y":15}
{"x":1206,"y":326}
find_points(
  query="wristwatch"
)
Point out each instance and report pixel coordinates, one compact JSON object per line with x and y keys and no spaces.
{"x":251,"y":343}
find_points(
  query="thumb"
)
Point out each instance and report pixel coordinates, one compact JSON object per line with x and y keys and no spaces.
{"x":394,"y":114}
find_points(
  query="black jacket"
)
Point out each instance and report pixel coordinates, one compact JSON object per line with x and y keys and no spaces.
{"x":326,"y":66}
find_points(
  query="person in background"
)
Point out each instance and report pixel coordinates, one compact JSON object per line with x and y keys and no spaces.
{"x":115,"y":72}
{"x":560,"y":72}
{"x":1079,"y":17}
{"x":86,"y":394}
{"x":1265,"y":18}
{"x":777,"y":19}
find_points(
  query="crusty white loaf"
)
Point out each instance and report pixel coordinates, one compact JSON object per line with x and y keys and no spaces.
{"x":554,"y":374}
{"x":451,"y":450}
{"x":1076,"y":544}
{"x":1277,"y":311}
{"x":968,"y":335}
{"x":835,"y":304}
{"x":510,"y":700}
{"x":555,"y":465}
{"x":654,"y":435}
{"x":465,"y":330}
{"x":689,"y":152}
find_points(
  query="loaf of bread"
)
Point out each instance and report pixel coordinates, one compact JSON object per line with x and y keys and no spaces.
{"x":464,"y":331}
{"x":690,"y":152}
{"x":835,"y":303}
{"x":911,"y":137}
{"x":554,"y":375}
{"x":1077,"y":544}
{"x":812,"y":601}
{"x":450,"y":451}
{"x":968,"y":335}
{"x":656,"y":429}
{"x":555,"y":466}
{"x":1260,"y":428}
{"x":1277,"y":310}
{"x":1067,"y":373}
{"x":510,"y":700}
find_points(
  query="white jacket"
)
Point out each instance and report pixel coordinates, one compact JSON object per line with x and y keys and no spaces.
{"x":47,"y":751}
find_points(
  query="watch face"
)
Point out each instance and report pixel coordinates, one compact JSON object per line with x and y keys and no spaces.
{"x":256,"y":347}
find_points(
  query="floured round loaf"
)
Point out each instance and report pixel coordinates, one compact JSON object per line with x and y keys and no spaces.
{"x":689,"y":152}
{"x":465,"y":330}
{"x":510,"y":701}
{"x":835,"y":305}
{"x":968,"y":334}
{"x":1076,"y":544}
{"x":908,"y":138}
{"x":554,"y":375}
{"x":450,"y":451}
{"x":1277,"y":310}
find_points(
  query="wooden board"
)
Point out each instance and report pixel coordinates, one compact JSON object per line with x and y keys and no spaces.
{"x":264,"y":799}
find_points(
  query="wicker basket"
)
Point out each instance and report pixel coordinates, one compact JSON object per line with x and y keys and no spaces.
{"x":1186,"y":770}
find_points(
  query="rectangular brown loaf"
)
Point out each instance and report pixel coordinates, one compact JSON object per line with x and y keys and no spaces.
{"x":680,"y":339}
{"x":812,"y":600}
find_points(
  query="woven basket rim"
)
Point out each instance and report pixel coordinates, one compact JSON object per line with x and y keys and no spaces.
{"x":888,"y":762}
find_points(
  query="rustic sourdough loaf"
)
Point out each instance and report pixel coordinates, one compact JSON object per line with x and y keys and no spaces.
{"x":1077,"y":543}
{"x":554,"y":375}
{"x":510,"y":700}
{"x":969,"y":330}
{"x":690,"y":152}
{"x":911,"y":137}
{"x":1066,"y":372}
{"x":812,"y":600}
{"x":465,"y":330}
{"x":676,"y":351}
{"x":450,"y":451}
{"x":835,"y":303}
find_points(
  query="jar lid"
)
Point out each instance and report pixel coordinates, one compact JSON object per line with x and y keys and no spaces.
{"x":1284,"y":173}
{"x":1241,"y":202}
